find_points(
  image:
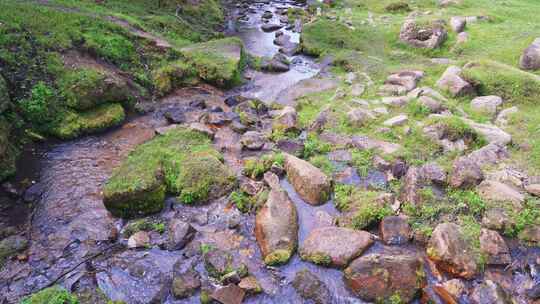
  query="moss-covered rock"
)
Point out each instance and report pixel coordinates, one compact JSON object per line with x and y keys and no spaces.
{"x":73,"y":124}
{"x":218,"y":62}
{"x":512,"y":84}
{"x":325,"y":35}
{"x":181,"y":162}
{"x":87,"y":88}
{"x":51,"y":295}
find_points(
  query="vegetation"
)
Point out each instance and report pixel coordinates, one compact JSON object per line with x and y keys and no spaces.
{"x":51,"y":295}
{"x":256,"y":167}
{"x":363,"y":207}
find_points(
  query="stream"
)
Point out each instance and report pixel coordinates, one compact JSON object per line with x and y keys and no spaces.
{"x":74,"y":241}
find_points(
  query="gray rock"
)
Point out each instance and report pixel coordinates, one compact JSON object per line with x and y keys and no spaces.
{"x":395,"y":101}
{"x":180,"y":233}
{"x":457,"y":23}
{"x":270,"y":27}
{"x":139,"y":239}
{"x":253,"y":140}
{"x":359,"y":117}
{"x":396,"y":121}
{"x":392,"y":90}
{"x":530,"y":60}
{"x":185,"y":284}
{"x":434,"y":105}
{"x":286,"y":119}
{"x":505,"y":115}
{"x":452,"y":82}
{"x":489,"y":292}
{"x":486,"y":104}
{"x":465,"y":173}
{"x":462,"y":37}
{"x":407,"y":79}
{"x":499,"y":192}
{"x":497,"y":219}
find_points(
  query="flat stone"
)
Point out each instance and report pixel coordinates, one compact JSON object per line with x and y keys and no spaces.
{"x":396,"y":121}
{"x":499,"y":192}
{"x":486,"y":104}
{"x":334,"y":246}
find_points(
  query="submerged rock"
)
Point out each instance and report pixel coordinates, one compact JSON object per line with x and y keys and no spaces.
{"x":377,"y":277}
{"x":309,"y":181}
{"x":276,"y":227}
{"x":310,"y":288}
{"x":334,"y":246}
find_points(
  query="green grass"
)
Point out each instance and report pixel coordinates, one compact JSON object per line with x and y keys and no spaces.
{"x":256,"y":167}
{"x":362,"y":203}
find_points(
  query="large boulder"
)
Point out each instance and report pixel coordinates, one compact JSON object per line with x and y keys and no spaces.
{"x":530,"y":60}
{"x":276,"y":227}
{"x":309,"y":181}
{"x":466,"y":173}
{"x":310,"y":288}
{"x":452,"y":82}
{"x":429,"y":37}
{"x":334,"y":246}
{"x":378,"y":277}
{"x":451,"y":251}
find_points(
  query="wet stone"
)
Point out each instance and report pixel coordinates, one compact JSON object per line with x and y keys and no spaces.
{"x":180,"y":233}
{"x":310,"y":288}
{"x":230,"y":294}
{"x":185,"y":284}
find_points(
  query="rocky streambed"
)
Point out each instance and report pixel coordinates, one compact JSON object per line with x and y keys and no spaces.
{"x":292,"y":250}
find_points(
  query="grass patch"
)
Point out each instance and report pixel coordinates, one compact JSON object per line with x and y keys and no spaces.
{"x":51,"y":295}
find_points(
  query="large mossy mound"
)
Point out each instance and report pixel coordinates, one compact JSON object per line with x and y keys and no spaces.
{"x":181,"y":162}
{"x":512,"y":84}
{"x":323,"y":36}
{"x":219,"y":62}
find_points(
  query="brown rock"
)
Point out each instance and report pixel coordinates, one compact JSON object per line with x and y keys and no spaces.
{"x":334,"y":246}
{"x":494,"y":246}
{"x":139,"y":239}
{"x":377,"y":277}
{"x":250,"y":285}
{"x":450,"y":291}
{"x":276,"y":227}
{"x":465,"y":173}
{"x":449,"y":249}
{"x":309,"y":181}
{"x":230,"y":294}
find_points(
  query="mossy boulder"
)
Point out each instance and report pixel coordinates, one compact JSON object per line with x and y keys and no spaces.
{"x":218,"y":62}
{"x":51,"y":295}
{"x":494,"y":78}
{"x":181,"y":162}
{"x":73,"y":124}
{"x":8,"y":151}
{"x":87,"y":88}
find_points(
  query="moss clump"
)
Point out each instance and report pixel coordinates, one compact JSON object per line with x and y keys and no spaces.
{"x":218,"y":62}
{"x":398,"y":7}
{"x":318,"y":258}
{"x":143,"y":225}
{"x":277,"y":257}
{"x":51,"y":295}
{"x":85,"y":89}
{"x":322,"y":162}
{"x":256,"y":167}
{"x":74,"y":124}
{"x":5,"y":101}
{"x":181,"y":162}
{"x":173,"y":75}
{"x":364,"y":208}
{"x":493,"y":78}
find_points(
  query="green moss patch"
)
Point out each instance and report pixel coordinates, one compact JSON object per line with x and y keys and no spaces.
{"x":325,"y":35}
{"x":172,"y":76}
{"x":363,"y":208}
{"x":51,"y":295}
{"x":218,"y":62}
{"x":512,"y":84}
{"x":87,"y":88}
{"x":278,"y":257}
{"x":181,"y":162}
{"x":74,"y":124}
